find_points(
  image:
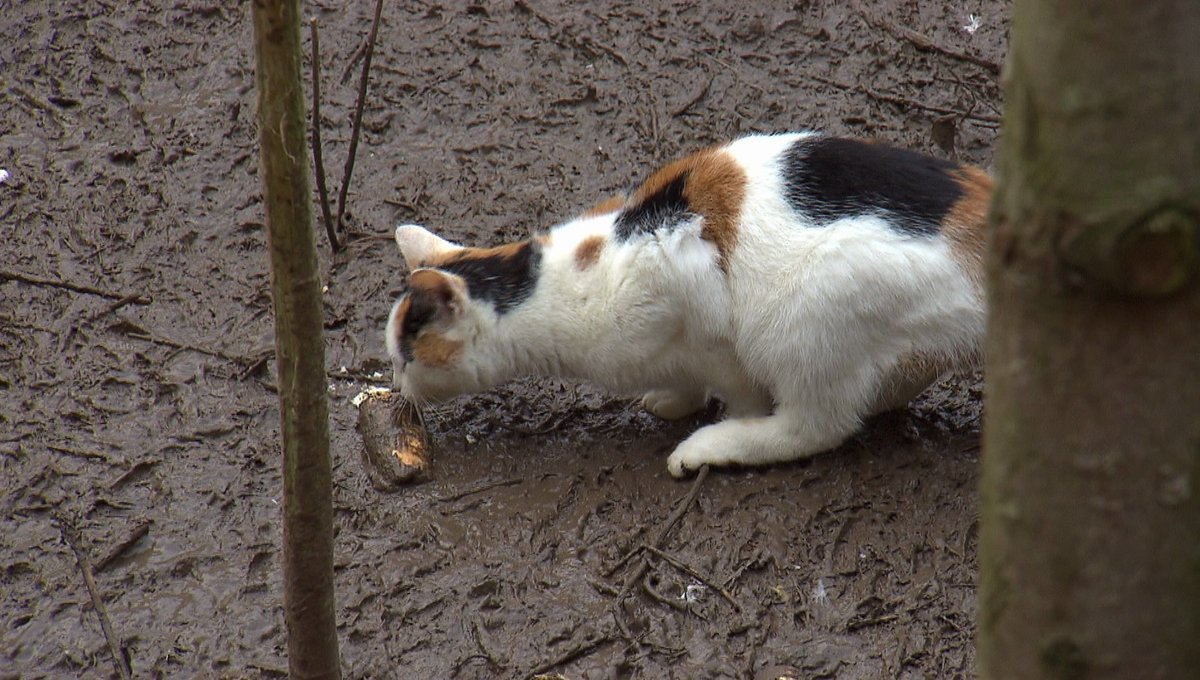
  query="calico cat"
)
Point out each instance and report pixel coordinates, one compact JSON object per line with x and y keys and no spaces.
{"x":807,"y":281}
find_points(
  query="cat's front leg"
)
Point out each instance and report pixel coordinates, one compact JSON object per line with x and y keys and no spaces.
{"x":673,"y":404}
{"x":758,"y":441}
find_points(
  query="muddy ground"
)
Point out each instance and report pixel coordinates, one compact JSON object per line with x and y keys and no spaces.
{"x":148,"y":424}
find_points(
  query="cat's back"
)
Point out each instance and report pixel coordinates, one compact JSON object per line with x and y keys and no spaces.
{"x":807,"y":181}
{"x":807,"y":188}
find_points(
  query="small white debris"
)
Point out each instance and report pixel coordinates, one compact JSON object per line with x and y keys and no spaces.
{"x":472,"y":440}
{"x":819,"y":593}
{"x":972,"y":24}
{"x":343,"y":370}
{"x":324,"y":289}
{"x":369,"y":392}
{"x":275,"y":501}
{"x":3,"y":176}
{"x":693,"y":593}
{"x":376,"y":375}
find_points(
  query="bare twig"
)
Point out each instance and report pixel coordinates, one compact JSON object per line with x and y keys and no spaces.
{"x":581,"y":41}
{"x":127,"y":300}
{"x":926,"y":44}
{"x":80,"y":453}
{"x":857,"y":624}
{"x":661,"y":536}
{"x":119,"y":549}
{"x":318,"y":161}
{"x":479,"y":489}
{"x":485,"y":647}
{"x":354,"y":59}
{"x":586,"y":646}
{"x":686,"y":106}
{"x":358,"y":113}
{"x":693,"y":572}
{"x":633,"y":552}
{"x":167,"y":342}
{"x":71,"y":536}
{"x":652,"y":591}
{"x":905,"y":101}
{"x":77,"y":287}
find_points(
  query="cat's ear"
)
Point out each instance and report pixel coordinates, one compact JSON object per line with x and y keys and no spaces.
{"x":435,"y":297}
{"x":419,"y":246}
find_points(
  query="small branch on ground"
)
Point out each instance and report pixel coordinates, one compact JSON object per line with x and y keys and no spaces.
{"x":589,"y":644}
{"x":81,"y":453}
{"x":119,"y":549}
{"x":661,"y":536}
{"x":695,"y":99}
{"x":691,"y":571}
{"x":167,"y":342}
{"x":318,"y":161}
{"x":905,"y":101}
{"x":354,"y":59}
{"x":77,"y":287}
{"x":127,"y":300}
{"x":651,"y":590}
{"x":478,"y":489}
{"x":71,"y":536}
{"x":926,"y":44}
{"x":358,"y":113}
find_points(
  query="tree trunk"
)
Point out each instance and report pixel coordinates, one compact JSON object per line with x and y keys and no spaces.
{"x":1090,"y":541}
{"x":299,"y":345}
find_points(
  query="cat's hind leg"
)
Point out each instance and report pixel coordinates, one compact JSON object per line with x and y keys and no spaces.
{"x":676,"y":403}
{"x":911,"y":376}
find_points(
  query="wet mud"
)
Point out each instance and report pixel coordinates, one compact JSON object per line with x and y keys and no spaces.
{"x":137,"y":396}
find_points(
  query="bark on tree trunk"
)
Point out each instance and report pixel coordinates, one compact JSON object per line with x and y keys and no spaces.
{"x":299,"y":345}
{"x":1090,"y":542}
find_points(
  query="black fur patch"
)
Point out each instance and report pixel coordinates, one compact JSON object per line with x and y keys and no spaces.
{"x":831,"y":178}
{"x":422,"y":307}
{"x":667,"y":205}
{"x":504,"y":279}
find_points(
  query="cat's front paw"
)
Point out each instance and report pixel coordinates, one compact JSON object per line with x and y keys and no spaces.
{"x":673,"y":404}
{"x":707,"y":446}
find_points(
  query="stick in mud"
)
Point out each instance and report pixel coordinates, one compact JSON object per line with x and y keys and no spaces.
{"x":318,"y":161}
{"x":77,"y":287}
{"x":644,"y":564}
{"x":358,"y":113}
{"x":691,"y":571}
{"x":71,"y":536}
{"x":926,"y":44}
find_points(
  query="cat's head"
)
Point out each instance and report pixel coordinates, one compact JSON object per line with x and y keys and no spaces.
{"x":443,"y":334}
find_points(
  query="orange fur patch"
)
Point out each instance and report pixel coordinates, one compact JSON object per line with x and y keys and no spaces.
{"x":588,"y":251}
{"x":610,"y":204}
{"x":435,"y":349}
{"x":429,"y":347}
{"x":506,"y":251}
{"x":965,"y":227}
{"x":714,"y":189}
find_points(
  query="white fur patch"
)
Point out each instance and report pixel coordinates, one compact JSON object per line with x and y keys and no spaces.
{"x":799,"y":336}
